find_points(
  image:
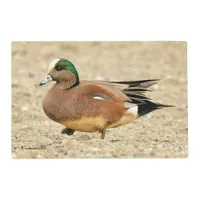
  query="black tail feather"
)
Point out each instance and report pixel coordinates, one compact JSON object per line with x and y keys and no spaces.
{"x":136,"y":92}
{"x":149,"y":106}
{"x":137,"y":96}
{"x":136,"y":83}
{"x":136,"y":89}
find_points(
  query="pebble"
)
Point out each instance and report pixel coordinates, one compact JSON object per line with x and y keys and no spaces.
{"x":99,"y":78}
{"x":31,"y":75}
{"x":169,"y":76}
{"x":155,"y":87}
{"x":39,"y":156}
{"x":149,"y":115}
{"x":24,"y":108}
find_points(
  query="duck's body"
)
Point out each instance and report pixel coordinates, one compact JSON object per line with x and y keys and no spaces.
{"x":91,"y":106}
{"x":84,"y":110}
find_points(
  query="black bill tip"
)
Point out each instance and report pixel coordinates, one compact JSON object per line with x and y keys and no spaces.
{"x":41,"y":84}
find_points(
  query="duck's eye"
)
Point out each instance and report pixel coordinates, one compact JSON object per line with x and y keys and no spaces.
{"x":58,"y":67}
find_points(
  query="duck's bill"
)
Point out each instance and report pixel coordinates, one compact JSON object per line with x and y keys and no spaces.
{"x":47,"y":79}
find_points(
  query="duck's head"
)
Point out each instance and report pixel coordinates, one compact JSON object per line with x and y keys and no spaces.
{"x":61,"y":70}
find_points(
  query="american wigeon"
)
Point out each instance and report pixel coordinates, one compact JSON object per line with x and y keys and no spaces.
{"x":91,"y":106}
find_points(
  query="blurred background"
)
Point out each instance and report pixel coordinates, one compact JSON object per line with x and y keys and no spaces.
{"x":163,"y":133}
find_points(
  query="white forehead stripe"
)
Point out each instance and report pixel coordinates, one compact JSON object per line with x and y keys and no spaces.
{"x":53,"y":63}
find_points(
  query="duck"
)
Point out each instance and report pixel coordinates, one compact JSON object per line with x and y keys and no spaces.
{"x":94,"y":106}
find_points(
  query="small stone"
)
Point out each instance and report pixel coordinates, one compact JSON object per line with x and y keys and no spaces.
{"x":39,"y":156}
{"x":24,"y":108}
{"x":84,"y":137}
{"x":159,"y":101}
{"x":169,"y":76}
{"x":14,"y":85}
{"x":31,"y":75}
{"x":95,"y":149}
{"x":38,"y":95}
{"x":99,"y":78}
{"x":152,"y":153}
{"x":149,"y":115}
{"x":155,"y":87}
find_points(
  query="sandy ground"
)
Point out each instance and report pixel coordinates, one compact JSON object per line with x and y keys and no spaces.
{"x":163,"y":133}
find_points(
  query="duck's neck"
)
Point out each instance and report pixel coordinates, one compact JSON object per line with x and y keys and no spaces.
{"x":66,"y":85}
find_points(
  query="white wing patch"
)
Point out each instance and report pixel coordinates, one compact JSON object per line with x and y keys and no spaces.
{"x":133,"y":110}
{"x":101,"y":96}
{"x":130,"y":115}
{"x":97,"y":97}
